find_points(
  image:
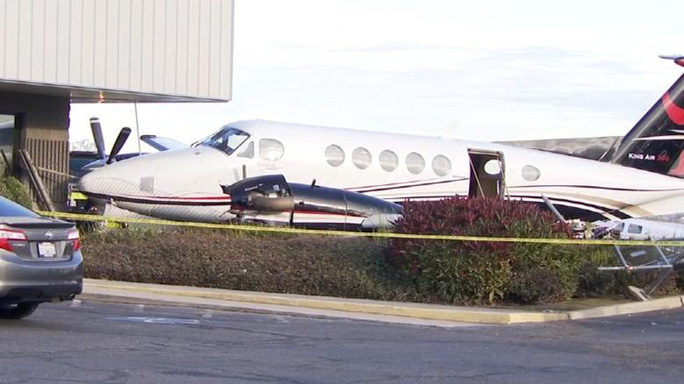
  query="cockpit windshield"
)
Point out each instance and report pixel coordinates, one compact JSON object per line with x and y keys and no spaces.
{"x":227,"y":139}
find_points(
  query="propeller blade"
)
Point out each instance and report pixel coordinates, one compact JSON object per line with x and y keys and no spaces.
{"x":96,"y":128}
{"x":118,"y":144}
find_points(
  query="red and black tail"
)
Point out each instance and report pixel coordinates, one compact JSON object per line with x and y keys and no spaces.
{"x":656,"y":142}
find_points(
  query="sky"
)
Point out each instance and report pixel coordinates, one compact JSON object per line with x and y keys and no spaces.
{"x":478,"y":70}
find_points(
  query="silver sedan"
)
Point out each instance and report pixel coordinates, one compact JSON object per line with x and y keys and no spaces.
{"x":40,"y":260}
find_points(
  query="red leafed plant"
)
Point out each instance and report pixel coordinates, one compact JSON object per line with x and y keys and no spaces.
{"x":466,"y":272}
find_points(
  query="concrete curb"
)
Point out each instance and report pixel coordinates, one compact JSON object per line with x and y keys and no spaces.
{"x":411,"y":310}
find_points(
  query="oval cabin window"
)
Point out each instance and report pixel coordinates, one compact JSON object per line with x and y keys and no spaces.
{"x":441,"y":165}
{"x":388,"y":160}
{"x":334,"y":155}
{"x":530,"y":173}
{"x":415,"y":163}
{"x":271,"y":149}
{"x":361,"y":158}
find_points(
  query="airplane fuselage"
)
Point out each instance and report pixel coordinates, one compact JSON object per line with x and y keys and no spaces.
{"x":186,"y":184}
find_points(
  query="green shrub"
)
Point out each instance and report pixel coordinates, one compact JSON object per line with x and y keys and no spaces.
{"x":536,"y":285}
{"x":483,"y":272}
{"x":309,"y":265}
{"x":14,"y":190}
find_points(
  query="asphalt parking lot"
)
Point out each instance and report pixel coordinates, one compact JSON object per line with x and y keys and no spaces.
{"x":94,"y":341}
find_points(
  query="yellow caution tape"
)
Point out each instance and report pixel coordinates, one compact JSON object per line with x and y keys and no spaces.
{"x":78,"y":196}
{"x":385,"y":235}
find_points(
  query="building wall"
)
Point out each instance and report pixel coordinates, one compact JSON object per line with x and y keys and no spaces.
{"x":173,"y":47}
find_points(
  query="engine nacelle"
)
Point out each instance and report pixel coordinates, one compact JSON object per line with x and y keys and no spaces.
{"x":264,"y":194}
{"x":272,"y":199}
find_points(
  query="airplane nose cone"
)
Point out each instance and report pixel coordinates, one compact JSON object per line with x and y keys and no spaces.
{"x":188,"y":172}
{"x":113,"y":179}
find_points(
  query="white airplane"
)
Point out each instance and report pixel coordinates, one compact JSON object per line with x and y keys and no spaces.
{"x":219,"y":178}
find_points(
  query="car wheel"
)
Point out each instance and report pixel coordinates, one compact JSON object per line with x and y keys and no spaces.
{"x":17,"y":311}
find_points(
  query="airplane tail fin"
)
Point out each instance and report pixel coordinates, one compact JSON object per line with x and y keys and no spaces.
{"x":656,"y":142}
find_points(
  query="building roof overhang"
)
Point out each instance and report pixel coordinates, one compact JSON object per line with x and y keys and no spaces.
{"x":78,"y":94}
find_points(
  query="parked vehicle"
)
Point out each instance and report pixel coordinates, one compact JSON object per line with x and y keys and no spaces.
{"x":40,"y":260}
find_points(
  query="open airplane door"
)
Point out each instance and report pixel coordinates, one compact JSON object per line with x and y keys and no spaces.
{"x":486,"y":174}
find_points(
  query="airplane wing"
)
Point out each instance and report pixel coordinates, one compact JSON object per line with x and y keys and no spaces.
{"x":162,"y":143}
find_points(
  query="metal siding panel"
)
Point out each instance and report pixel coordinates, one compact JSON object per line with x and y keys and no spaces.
{"x":88,"y":38}
{"x":175,"y":47}
{"x":24,"y":52}
{"x":100,"y":43}
{"x":170,"y":46}
{"x":147,"y":65}
{"x":50,"y":37}
{"x":76,"y":39}
{"x":159,"y":45}
{"x":215,"y":50}
{"x":63,"y":52}
{"x":123,"y":56}
{"x":182,"y":42}
{"x":136,"y":48}
{"x":204,"y":45}
{"x":226,"y":77}
{"x":10,"y":42}
{"x":37,"y":63}
{"x":193,"y":47}
{"x":111,"y":63}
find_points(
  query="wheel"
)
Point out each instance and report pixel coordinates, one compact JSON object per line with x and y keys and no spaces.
{"x":17,"y":311}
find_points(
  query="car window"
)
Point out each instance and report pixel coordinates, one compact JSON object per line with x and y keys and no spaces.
{"x":10,"y":208}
